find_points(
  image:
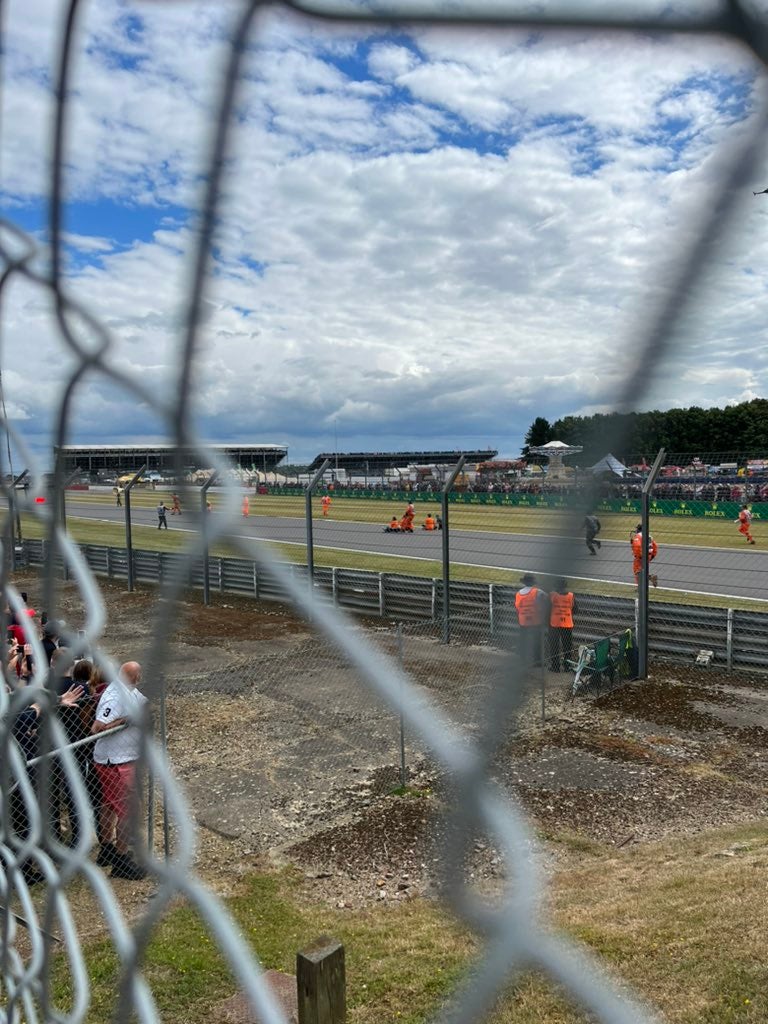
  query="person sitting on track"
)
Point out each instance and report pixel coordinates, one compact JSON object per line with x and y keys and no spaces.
{"x":429,"y":523}
{"x":394,"y":526}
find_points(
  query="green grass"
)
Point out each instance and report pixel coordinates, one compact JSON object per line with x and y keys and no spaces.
{"x":686,"y":928}
{"x":487,"y":518}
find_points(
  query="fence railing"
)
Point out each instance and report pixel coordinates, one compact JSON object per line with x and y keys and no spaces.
{"x":677,"y":632}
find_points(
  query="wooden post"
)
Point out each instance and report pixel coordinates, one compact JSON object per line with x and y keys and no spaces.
{"x":320,"y":982}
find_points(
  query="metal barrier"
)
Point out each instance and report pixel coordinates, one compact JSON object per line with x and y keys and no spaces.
{"x":739,"y":639}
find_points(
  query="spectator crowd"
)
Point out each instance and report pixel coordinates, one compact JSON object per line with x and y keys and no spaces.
{"x":99,"y":717}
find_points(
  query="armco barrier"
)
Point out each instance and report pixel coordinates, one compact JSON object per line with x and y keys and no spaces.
{"x":486,"y":611}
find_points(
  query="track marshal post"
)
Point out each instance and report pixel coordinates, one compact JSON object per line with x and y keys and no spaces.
{"x":128,"y":528}
{"x":308,"y":517}
{"x":447,"y":549}
{"x":642,"y":596}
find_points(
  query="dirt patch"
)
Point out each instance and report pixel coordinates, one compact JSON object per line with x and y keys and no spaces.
{"x":285,"y":753}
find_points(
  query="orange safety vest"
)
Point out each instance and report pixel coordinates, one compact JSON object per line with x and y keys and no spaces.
{"x":528,"y":610}
{"x":637,"y":547}
{"x":561,"y":615}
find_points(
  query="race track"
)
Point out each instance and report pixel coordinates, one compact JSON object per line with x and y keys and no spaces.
{"x":723,"y":571}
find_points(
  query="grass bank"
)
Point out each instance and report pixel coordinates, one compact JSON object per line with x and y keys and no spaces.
{"x":685,"y":923}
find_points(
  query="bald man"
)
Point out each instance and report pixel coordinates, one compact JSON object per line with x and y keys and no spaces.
{"x":115,"y":755}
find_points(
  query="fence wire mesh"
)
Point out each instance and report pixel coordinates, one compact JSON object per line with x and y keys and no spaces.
{"x":515,"y":931}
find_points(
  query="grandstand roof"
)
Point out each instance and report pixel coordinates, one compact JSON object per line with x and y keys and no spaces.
{"x":125,"y":457}
{"x":374,"y":462}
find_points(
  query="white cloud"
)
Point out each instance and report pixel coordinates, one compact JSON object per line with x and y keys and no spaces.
{"x":450,"y":236}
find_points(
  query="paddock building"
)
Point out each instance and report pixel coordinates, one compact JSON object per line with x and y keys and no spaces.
{"x":114,"y":459}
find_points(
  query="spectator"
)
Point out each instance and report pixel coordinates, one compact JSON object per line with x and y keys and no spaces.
{"x":51,"y":639}
{"x":115,"y":757}
{"x":71,"y":717}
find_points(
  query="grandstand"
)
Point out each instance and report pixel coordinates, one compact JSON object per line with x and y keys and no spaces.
{"x":375,"y":463}
{"x":114,"y":459}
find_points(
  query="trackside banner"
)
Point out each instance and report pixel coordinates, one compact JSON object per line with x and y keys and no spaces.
{"x":628,"y":506}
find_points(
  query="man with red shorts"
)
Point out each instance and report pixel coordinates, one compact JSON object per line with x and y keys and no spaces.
{"x":115,"y":758}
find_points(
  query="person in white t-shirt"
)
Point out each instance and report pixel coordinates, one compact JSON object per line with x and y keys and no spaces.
{"x":115,"y":756}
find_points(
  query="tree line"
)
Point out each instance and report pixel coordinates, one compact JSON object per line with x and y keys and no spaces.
{"x":738,"y":429}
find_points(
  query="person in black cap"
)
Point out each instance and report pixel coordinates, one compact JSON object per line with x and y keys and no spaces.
{"x":531,"y":605}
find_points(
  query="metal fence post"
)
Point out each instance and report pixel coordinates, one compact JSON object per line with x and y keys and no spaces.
{"x":401,"y":661}
{"x":62,"y":504}
{"x":642,"y":608}
{"x":729,"y":641}
{"x":447,"y":550}
{"x":491,"y":614}
{"x":204,"y":523}
{"x":128,"y":530}
{"x":308,"y":515}
{"x":14,"y":516}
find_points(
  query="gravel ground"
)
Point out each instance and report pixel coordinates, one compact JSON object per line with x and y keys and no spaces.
{"x":285,"y":756}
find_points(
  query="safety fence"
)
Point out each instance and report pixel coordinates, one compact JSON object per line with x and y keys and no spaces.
{"x":738,"y":639}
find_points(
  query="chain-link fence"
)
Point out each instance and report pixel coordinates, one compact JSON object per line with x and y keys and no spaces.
{"x":37,"y":720}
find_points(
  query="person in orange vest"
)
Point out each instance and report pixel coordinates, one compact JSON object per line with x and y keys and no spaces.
{"x":175,"y":505}
{"x":394,"y":525}
{"x":531,"y":605}
{"x":246,"y":505}
{"x":429,"y":523}
{"x":325,"y":501}
{"x":562,"y":605}
{"x":636,"y":539}
{"x":745,"y":523}
{"x":406,"y":523}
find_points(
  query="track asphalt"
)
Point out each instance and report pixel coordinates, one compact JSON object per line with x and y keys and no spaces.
{"x":722,"y":571}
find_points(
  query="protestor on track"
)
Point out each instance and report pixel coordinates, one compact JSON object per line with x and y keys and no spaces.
{"x":406,"y":523}
{"x":394,"y":526}
{"x":429,"y":523}
{"x":745,"y":524}
{"x":246,"y":508}
{"x":325,"y":501}
{"x":636,"y":539}
{"x":591,"y":529}
{"x":175,"y":505}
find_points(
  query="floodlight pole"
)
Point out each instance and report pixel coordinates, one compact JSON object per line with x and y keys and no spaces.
{"x":308,"y":515}
{"x":642,"y":596}
{"x":204,"y":514}
{"x":14,"y":514}
{"x":63,"y":513}
{"x":128,"y":534}
{"x":447,"y":550}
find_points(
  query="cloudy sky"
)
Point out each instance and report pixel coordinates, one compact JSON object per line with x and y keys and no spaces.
{"x":426,"y":237}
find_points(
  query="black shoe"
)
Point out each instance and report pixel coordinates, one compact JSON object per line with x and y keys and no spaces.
{"x":124,"y":867}
{"x":598,"y":543}
{"x":107,"y":855}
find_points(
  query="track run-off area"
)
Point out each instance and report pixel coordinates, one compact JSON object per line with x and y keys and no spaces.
{"x":717,"y":571}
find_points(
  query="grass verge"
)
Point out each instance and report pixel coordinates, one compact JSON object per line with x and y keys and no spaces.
{"x":685,"y":923}
{"x":149,"y":538}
